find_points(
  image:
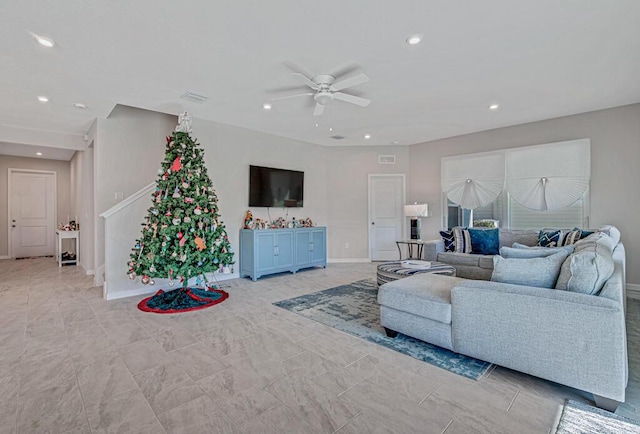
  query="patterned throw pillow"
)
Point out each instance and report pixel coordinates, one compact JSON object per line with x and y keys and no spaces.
{"x":462,"y":240}
{"x":550,"y":238}
{"x":449,"y":243}
{"x":574,"y":236}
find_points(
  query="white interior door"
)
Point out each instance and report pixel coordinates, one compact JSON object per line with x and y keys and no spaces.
{"x":32,"y":213}
{"x":386,"y":200}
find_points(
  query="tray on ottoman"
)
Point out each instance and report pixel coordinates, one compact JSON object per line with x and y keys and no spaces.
{"x":390,"y":271}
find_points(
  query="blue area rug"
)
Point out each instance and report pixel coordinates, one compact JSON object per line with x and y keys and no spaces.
{"x":580,"y":418}
{"x":354,"y":309}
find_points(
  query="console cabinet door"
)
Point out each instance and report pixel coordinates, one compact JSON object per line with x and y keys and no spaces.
{"x":265,"y":252}
{"x":303,"y":242}
{"x":284,"y":249}
{"x":318,"y":248}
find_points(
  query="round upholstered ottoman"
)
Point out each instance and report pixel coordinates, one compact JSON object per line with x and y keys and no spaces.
{"x":389,"y":271}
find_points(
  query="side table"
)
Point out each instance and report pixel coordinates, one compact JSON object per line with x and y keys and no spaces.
{"x":61,"y":235}
{"x":410,"y":243}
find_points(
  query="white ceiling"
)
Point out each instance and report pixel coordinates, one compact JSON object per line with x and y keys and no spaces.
{"x":538,"y":59}
{"x":48,"y":153}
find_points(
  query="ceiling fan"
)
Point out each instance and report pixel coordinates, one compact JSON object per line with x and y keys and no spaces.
{"x":326,"y":89}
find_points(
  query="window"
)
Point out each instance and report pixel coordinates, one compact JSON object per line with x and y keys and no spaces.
{"x":507,"y":213}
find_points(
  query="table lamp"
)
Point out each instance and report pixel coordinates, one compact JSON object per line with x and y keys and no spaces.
{"x":415,"y":211}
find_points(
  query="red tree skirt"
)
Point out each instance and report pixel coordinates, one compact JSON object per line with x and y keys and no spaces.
{"x":182,"y":300}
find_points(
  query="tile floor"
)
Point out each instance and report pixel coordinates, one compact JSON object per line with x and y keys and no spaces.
{"x":72,"y":362}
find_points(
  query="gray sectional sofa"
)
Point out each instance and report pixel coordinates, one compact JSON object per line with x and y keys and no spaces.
{"x":571,"y":338}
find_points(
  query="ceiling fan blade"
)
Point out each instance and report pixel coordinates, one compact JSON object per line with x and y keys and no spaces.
{"x":348,"y":82}
{"x":362,"y":102}
{"x":292,"y":96}
{"x":318,"y":110}
{"x":306,"y":80}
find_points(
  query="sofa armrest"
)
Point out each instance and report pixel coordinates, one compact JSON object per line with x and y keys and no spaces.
{"x":574,"y":339}
{"x":432,"y":248}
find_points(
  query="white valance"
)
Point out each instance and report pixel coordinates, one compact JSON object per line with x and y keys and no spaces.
{"x":549,"y":177}
{"x":472,"y":181}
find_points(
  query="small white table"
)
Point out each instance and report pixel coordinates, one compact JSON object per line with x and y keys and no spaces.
{"x":61,"y":235}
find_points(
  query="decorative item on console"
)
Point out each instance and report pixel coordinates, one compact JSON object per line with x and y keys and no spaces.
{"x":279,"y":223}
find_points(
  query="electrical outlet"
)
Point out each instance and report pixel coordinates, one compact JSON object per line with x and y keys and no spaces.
{"x":119,"y":195}
{"x":346,"y":245}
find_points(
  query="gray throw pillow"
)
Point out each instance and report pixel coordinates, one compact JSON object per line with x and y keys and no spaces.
{"x":532,"y":252}
{"x":589,"y":267}
{"x":540,"y":272}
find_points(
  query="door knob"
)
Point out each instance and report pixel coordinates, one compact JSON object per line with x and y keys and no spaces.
{"x":373,"y":223}
{"x":13,"y":226}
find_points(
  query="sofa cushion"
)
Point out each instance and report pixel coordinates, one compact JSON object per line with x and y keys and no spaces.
{"x":427,"y":295}
{"x":587,"y":269}
{"x":485,"y":261}
{"x":540,"y":272}
{"x":550,"y":238}
{"x":462,"y":240}
{"x":510,"y":236}
{"x":454,"y":258}
{"x":449,"y":240}
{"x":484,"y":241}
{"x":522,"y":251}
{"x":613,"y":232}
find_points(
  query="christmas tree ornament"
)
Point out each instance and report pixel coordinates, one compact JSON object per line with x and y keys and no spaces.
{"x":200,"y":244}
{"x":188,"y":200}
{"x":176,"y":165}
{"x":198,"y":210}
{"x":145,"y":280}
{"x":175,"y":221}
{"x":182,"y":241}
{"x":187,"y":219}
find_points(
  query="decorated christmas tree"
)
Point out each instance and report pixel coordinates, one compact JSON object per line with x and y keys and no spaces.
{"x":183,"y":236}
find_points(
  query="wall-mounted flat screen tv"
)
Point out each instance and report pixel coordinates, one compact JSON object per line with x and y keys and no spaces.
{"x":277,"y":188}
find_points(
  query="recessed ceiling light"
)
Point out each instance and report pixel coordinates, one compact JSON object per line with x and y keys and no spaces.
{"x":80,"y":105}
{"x":414,"y":39}
{"x":45,"y":42}
{"x":494,"y":106}
{"x":43,"y":98}
{"x":330,"y":129}
{"x":367,"y":136}
{"x":266,"y":106}
{"x":395,"y":142}
{"x":317,"y":125}
{"x":38,"y":153}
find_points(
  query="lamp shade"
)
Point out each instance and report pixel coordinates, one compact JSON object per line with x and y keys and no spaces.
{"x":416,"y":210}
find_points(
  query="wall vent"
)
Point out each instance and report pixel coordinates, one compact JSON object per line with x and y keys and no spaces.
{"x":386,"y":159}
{"x":194,"y":97}
{"x":337,"y":137}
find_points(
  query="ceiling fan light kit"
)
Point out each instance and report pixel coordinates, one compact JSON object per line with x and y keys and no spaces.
{"x":326,"y":89}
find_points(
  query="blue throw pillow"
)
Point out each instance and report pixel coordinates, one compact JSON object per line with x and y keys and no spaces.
{"x":485,"y":241}
{"x":550,"y":238}
{"x":449,"y":241}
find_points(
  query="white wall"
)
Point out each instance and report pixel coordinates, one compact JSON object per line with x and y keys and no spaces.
{"x":81,"y":205}
{"x":62,"y":169}
{"x":615,"y":157}
{"x":128,"y":148}
{"x":348,"y":170}
{"x":228,"y":152}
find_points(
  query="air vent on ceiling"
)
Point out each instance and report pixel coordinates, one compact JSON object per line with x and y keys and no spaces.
{"x":386,"y":159}
{"x":337,"y":137}
{"x":194,"y":97}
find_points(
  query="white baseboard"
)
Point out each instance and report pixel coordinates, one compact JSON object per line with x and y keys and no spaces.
{"x":129,"y":293}
{"x":87,"y":272}
{"x":347,"y":260}
{"x":5,"y":257}
{"x":633,"y":291}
